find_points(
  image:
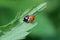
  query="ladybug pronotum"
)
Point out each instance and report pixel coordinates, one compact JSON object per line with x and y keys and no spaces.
{"x":29,"y":18}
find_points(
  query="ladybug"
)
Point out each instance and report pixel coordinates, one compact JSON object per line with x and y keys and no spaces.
{"x":29,"y":18}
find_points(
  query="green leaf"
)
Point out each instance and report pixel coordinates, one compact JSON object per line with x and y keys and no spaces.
{"x":14,"y":30}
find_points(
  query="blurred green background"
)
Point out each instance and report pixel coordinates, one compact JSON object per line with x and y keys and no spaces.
{"x":48,"y":20}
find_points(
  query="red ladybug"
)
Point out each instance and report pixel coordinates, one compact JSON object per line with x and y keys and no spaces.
{"x":29,"y":18}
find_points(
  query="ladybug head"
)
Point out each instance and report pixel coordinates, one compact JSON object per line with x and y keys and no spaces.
{"x":26,"y":18}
